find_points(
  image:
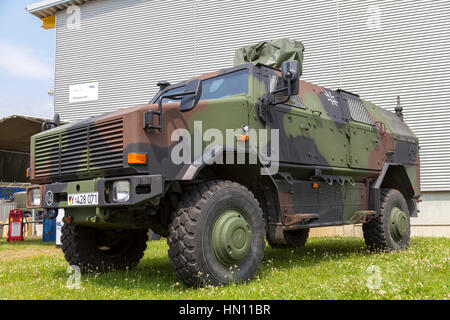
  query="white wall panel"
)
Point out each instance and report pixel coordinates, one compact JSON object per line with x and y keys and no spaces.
{"x":221,"y":27}
{"x":407,"y":55}
{"x":126,"y":46}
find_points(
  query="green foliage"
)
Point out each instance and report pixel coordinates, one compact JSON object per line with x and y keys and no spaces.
{"x":327,"y":268}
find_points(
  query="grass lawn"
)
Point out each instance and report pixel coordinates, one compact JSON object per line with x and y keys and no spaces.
{"x":327,"y":268}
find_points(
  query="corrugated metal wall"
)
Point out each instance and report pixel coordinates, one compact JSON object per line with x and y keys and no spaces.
{"x":409,"y":55}
{"x":126,"y":46}
{"x":378,"y":49}
{"x":5,"y":208}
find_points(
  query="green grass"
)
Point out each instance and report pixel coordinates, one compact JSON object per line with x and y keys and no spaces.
{"x":327,"y":268}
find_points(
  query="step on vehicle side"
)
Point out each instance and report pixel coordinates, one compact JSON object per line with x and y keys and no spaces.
{"x":322,"y":158}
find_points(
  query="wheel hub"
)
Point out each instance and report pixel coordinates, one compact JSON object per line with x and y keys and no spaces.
{"x":398,"y":223}
{"x":231,"y":238}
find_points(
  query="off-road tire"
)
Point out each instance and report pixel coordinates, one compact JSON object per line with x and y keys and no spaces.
{"x":190,"y":234}
{"x":80,"y":247}
{"x":274,"y":245}
{"x":377,"y":233}
{"x":294,"y":239}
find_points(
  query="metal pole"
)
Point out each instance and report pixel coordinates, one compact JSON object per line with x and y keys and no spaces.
{"x":33,"y":218}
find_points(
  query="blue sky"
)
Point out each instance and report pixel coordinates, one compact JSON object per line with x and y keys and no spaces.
{"x":27,"y":54}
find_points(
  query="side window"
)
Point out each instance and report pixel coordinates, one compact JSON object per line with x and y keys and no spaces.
{"x":359,"y":112}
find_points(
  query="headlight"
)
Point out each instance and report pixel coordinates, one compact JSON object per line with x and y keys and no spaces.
{"x":35,"y":197}
{"x":121,"y":191}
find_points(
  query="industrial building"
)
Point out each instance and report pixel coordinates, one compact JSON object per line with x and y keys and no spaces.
{"x":111,"y":53}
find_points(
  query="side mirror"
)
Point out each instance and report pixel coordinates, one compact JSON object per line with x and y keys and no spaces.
{"x":191,"y":96}
{"x":290,"y":71}
{"x":56,"y":120}
{"x":49,"y":125}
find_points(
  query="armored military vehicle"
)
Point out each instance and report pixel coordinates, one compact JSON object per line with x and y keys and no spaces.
{"x":322,"y":157}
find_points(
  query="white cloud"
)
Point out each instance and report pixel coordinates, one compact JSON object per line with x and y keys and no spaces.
{"x":23,"y":62}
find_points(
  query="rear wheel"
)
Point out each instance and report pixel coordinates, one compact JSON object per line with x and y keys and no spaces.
{"x":95,"y":250}
{"x":391,"y":230}
{"x":217,"y":235}
{"x":294,"y":239}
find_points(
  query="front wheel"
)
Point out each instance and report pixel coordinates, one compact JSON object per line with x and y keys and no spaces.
{"x":217,"y":235}
{"x":391,"y":230}
{"x":94,"y":250}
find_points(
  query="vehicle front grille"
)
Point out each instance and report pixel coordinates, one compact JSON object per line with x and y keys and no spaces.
{"x":98,"y":146}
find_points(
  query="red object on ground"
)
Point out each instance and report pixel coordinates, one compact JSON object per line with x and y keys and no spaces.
{"x":15,"y":220}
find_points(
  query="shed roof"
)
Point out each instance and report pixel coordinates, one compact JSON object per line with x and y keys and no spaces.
{"x":47,"y":8}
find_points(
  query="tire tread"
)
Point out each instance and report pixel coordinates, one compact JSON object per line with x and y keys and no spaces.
{"x":375,"y":235}
{"x":182,"y":250}
{"x":73,"y":239}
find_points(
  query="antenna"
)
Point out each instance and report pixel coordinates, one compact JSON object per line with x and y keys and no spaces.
{"x":399,"y":109}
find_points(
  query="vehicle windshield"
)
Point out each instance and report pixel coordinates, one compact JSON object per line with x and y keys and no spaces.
{"x":219,"y":87}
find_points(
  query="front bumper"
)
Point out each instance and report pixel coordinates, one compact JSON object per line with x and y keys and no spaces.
{"x":55,"y":195}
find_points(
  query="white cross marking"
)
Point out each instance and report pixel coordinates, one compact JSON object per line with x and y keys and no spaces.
{"x":331,"y":98}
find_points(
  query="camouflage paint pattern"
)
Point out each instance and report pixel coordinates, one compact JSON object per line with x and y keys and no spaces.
{"x":328,"y":161}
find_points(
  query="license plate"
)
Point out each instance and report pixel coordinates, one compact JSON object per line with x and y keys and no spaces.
{"x":83,"y":199}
